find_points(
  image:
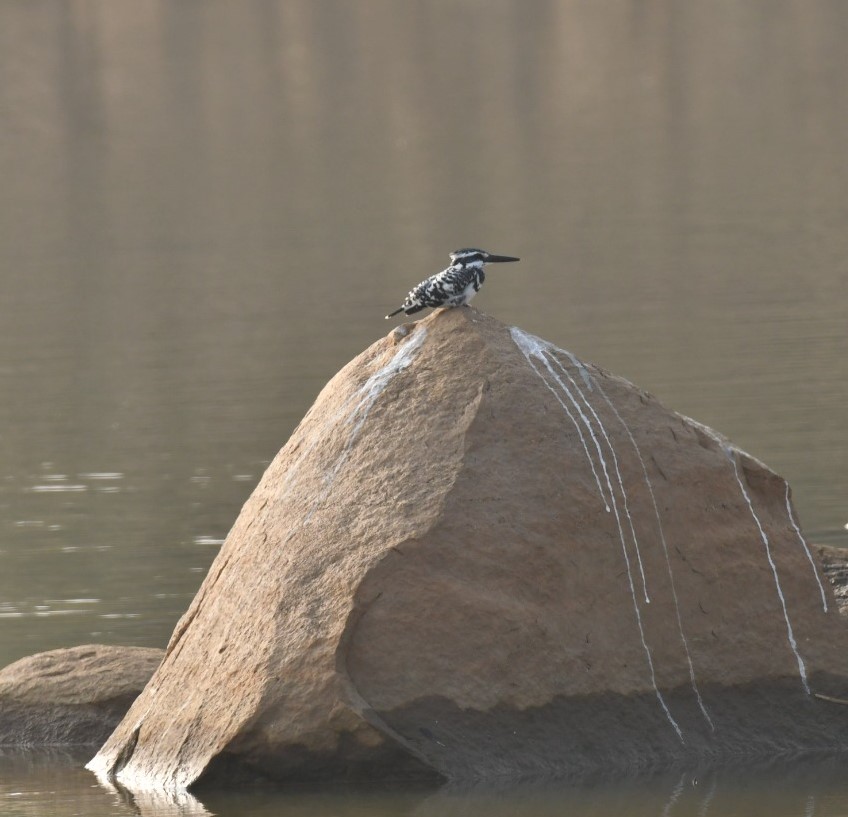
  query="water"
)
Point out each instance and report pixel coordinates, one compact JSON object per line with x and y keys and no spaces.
{"x":207,"y":208}
{"x":54,"y":784}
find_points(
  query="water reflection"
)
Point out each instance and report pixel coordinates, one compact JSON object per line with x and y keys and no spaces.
{"x":787,"y":788}
{"x":156,"y":803}
{"x":53,"y":783}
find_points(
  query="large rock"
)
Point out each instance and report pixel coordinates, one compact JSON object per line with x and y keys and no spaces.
{"x":477,"y":556}
{"x":73,"y":696}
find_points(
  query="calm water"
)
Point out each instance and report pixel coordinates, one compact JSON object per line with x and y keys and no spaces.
{"x":207,"y":208}
{"x":49,"y":784}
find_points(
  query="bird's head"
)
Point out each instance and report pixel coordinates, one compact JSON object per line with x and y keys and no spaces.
{"x":470,"y":257}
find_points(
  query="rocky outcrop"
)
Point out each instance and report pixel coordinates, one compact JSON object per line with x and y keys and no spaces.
{"x":478,"y":556}
{"x":835,"y":563}
{"x":71,"y":696}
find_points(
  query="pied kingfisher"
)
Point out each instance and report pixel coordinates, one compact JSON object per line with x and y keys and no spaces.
{"x":453,"y":286}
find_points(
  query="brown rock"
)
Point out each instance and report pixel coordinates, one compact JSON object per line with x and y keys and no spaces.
{"x":72,"y":696}
{"x":447,"y":570}
{"x":835,"y":563}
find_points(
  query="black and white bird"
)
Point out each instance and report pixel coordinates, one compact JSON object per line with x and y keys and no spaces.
{"x":453,"y":286}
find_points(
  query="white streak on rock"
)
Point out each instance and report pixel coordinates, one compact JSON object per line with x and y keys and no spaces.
{"x":532,"y":346}
{"x":789,"y":634}
{"x":578,"y":364}
{"x":364,"y":398}
{"x":617,"y":473}
{"x":806,"y":548}
{"x":692,"y":679}
{"x":367,"y":393}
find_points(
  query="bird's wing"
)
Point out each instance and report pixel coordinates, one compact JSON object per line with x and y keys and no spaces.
{"x":425,"y":294}
{"x":440,"y":288}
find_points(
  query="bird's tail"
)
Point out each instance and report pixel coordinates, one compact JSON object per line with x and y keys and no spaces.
{"x":396,"y":312}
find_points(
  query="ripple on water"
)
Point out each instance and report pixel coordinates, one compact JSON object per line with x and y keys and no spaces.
{"x":53,"y":613}
{"x":84,"y":548}
{"x":47,"y":609}
{"x":208,"y":540}
{"x":71,"y":488}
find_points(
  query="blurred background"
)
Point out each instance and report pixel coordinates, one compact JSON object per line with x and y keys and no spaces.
{"x":206,"y":208}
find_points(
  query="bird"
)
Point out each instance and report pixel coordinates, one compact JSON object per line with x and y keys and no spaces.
{"x":454,"y":286}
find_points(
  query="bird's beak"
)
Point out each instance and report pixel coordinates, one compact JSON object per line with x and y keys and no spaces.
{"x":500,"y":259}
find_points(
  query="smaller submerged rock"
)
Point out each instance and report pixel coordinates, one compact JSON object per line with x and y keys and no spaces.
{"x":71,"y":697}
{"x":835,"y":563}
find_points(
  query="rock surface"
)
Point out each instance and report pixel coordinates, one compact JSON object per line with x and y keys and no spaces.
{"x":71,"y":696}
{"x":835,"y":563}
{"x":477,"y":557}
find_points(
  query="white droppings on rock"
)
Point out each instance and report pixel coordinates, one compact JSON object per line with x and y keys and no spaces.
{"x":790,"y":635}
